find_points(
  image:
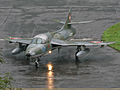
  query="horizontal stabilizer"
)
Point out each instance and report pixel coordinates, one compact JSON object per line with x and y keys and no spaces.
{"x":82,"y":22}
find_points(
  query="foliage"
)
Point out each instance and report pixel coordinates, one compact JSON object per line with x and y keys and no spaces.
{"x":113,"y":34}
{"x":1,"y":58}
{"x":5,"y":79}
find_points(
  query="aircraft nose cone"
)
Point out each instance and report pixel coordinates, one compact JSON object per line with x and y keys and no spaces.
{"x":35,"y":49}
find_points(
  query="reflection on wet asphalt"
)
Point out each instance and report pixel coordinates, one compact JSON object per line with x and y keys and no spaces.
{"x":26,"y":18}
{"x":50,"y":76}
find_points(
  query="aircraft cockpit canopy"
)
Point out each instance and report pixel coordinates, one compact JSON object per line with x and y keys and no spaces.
{"x":37,"y":41}
{"x":40,"y":39}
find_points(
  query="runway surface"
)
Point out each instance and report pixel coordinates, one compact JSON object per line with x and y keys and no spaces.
{"x":27,"y":18}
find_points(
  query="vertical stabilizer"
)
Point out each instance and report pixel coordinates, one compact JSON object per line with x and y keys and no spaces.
{"x":67,"y":24}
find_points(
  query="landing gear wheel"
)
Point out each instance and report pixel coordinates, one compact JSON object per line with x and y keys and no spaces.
{"x":37,"y":63}
{"x":76,"y":57}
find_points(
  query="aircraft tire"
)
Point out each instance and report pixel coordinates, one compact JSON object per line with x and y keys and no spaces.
{"x":36,"y":64}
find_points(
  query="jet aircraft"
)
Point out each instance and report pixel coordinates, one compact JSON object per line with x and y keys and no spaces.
{"x":44,"y":43}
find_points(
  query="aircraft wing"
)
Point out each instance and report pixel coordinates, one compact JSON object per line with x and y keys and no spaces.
{"x":19,"y":40}
{"x":79,"y":43}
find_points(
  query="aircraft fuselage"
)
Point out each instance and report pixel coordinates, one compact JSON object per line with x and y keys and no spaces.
{"x":41,"y":42}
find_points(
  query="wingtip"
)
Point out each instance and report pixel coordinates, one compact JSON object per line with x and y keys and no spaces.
{"x":111,"y":42}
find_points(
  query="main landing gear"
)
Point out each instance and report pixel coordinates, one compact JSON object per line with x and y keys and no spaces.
{"x":79,"y":48}
{"x":76,"y":57}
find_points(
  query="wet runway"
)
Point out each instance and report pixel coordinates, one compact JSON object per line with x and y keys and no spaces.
{"x":26,"y":18}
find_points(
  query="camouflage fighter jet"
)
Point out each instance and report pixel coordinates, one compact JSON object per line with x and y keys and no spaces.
{"x":43,"y":44}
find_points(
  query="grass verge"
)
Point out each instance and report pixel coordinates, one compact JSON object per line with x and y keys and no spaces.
{"x":113,"y":34}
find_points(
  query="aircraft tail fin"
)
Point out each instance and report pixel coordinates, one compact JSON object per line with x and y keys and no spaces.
{"x":67,"y":23}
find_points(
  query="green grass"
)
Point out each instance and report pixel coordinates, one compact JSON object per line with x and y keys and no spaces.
{"x":112,"y":34}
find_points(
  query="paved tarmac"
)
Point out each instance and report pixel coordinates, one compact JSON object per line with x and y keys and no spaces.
{"x":27,"y":18}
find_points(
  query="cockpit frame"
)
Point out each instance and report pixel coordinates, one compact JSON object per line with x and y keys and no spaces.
{"x":38,"y":41}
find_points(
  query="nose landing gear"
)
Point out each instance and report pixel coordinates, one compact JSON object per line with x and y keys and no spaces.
{"x":37,"y":62}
